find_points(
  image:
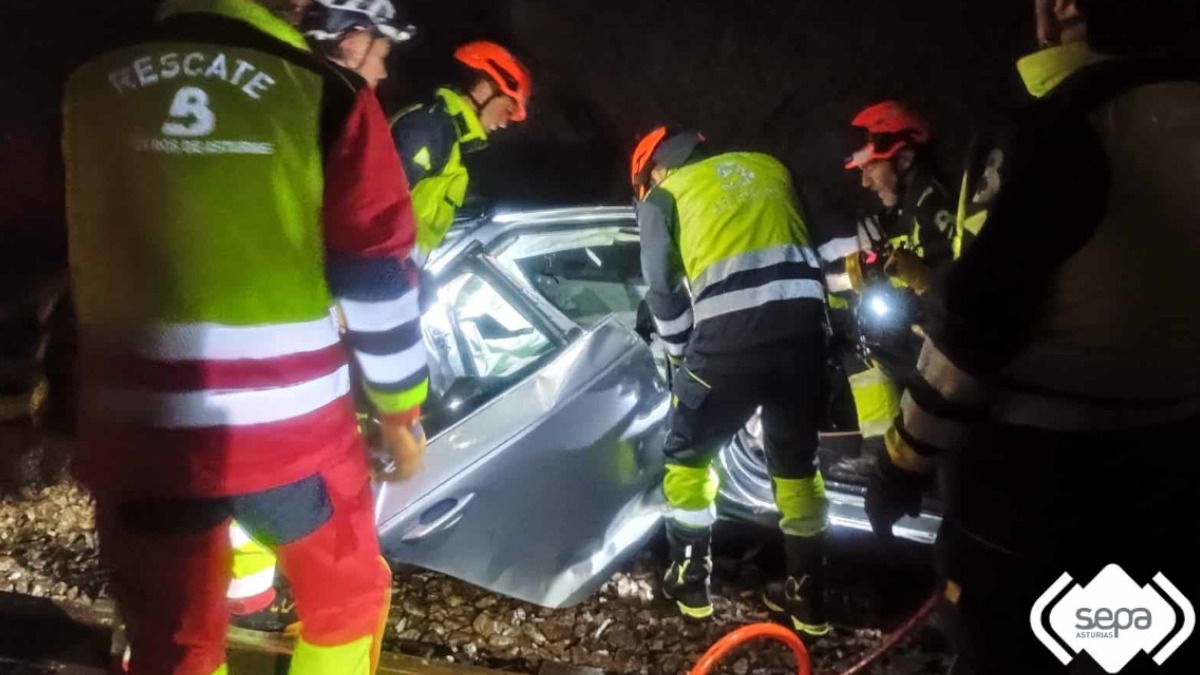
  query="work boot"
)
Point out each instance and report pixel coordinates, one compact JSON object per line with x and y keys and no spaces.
{"x":802,"y":597}
{"x":687,"y":579}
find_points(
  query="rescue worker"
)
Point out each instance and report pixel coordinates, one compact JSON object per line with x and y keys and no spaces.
{"x":750,"y":333}
{"x":356,"y":36}
{"x":895,"y":164}
{"x":1061,"y":376}
{"x":213,"y":381}
{"x":491,"y":91}
{"x":916,"y":228}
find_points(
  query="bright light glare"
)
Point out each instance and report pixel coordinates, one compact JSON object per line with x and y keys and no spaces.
{"x":879,"y":306}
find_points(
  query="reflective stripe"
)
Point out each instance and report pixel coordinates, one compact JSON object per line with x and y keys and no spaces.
{"x":676,"y":326}
{"x":392,"y":367}
{"x":216,"y":342}
{"x":250,"y":586}
{"x":876,"y":400}
{"x":1061,"y":414}
{"x":753,"y":260}
{"x":868,"y":233}
{"x":211,"y":408}
{"x":936,"y":431}
{"x":735,"y":301}
{"x":237,"y":536}
{"x":352,"y":658}
{"x":384,"y":315}
{"x":904,"y":456}
{"x":690,"y":488}
{"x":702,"y":518}
{"x":803,"y":505}
{"x":952,"y":382}
{"x":836,"y":249}
{"x":838,"y":283}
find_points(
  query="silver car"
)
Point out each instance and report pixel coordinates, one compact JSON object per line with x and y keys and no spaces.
{"x":547,"y":413}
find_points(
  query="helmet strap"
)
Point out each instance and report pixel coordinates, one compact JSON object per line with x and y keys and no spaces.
{"x":367,"y":52}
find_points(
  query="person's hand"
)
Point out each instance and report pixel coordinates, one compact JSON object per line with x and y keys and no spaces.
{"x":907,"y":266}
{"x":405,"y":442}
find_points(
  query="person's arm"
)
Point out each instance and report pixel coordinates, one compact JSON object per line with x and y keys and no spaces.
{"x":995,"y":295}
{"x":369,"y":231}
{"x":934,"y":216}
{"x":662,"y":266}
{"x":424,"y":138}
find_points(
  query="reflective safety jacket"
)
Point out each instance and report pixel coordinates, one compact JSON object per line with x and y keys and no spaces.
{"x":924,"y":221}
{"x":981,"y":182}
{"x":225,"y":187}
{"x":726,"y":254}
{"x":432,"y":140}
{"x":1092,"y":327}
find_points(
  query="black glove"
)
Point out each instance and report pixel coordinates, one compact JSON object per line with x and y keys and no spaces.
{"x":892,"y":493}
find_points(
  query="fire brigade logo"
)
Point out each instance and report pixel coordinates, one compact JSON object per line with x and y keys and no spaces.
{"x":1112,"y":619}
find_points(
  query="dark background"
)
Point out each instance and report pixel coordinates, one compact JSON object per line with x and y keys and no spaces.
{"x":779,"y":76}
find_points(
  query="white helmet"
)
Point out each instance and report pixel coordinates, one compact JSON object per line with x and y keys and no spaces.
{"x":332,"y":19}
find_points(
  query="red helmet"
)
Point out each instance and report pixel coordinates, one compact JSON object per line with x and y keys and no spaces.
{"x":505,"y":70}
{"x":680,"y":145}
{"x":891,"y":126}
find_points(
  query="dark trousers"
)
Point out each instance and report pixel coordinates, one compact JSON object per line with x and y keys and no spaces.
{"x":716,"y":396}
{"x":1026,"y":506}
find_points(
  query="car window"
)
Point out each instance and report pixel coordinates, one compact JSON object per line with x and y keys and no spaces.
{"x":480,"y":344}
{"x":588,"y":274}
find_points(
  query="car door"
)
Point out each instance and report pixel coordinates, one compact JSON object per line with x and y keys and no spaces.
{"x":544,"y":459}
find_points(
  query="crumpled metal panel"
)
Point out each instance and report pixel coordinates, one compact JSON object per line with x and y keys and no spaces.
{"x":542,"y":493}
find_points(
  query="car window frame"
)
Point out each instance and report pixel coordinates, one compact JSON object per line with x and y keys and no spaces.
{"x":476,"y":262}
{"x":491,"y":252}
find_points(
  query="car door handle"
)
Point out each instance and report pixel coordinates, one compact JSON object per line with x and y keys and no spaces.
{"x":446,"y":517}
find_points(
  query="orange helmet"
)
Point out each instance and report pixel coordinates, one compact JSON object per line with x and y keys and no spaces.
{"x":504,"y":69}
{"x":891,"y":126}
{"x":644,"y":154}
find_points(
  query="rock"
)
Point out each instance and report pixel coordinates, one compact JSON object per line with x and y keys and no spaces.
{"x":410,"y":635}
{"x":455,"y":601}
{"x":620,"y":638}
{"x":626,"y":588}
{"x":502,"y":641}
{"x":486,"y":601}
{"x":470,"y":649}
{"x":556,"y":629}
{"x":536,"y":636}
{"x":486,"y":626}
{"x":741,"y":666}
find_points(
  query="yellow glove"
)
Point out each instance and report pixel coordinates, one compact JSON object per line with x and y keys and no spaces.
{"x":854,"y":270}
{"x":405,"y":441}
{"x":909,"y":268}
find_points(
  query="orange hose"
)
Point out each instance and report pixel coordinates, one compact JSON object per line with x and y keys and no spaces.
{"x":737,"y":638}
